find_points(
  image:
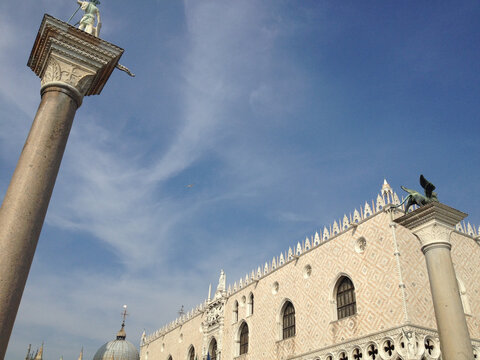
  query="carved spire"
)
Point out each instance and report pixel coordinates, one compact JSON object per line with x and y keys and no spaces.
{"x":387,"y":192}
{"x":307,"y":244}
{"x":326,"y":234}
{"x":80,"y":357}
{"x":470,"y":230}
{"x":299,"y":249}
{"x":143,"y":339}
{"x":368,"y":210}
{"x":39,"y":355}
{"x":336,"y":230}
{"x":380,"y":203}
{"x":29,"y":355}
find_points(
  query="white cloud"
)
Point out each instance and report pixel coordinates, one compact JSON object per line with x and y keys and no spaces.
{"x":111,"y":192}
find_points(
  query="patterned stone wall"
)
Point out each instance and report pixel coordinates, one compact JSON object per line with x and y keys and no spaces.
{"x":176,"y":343}
{"x":379,"y":301}
{"x":388,"y":270}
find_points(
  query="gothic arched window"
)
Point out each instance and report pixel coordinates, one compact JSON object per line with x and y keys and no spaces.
{"x":191,"y":353}
{"x":213,"y":349}
{"x":235,"y":311}
{"x":346,"y":302}
{"x":250,"y":304}
{"x":170,"y":358}
{"x":244,"y":339}
{"x":288,"y":320}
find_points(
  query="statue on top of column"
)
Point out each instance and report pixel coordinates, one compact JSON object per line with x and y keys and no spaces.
{"x":415,"y":198}
{"x":88,"y":20}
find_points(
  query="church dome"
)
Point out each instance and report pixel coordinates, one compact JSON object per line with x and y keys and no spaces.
{"x":118,"y":349}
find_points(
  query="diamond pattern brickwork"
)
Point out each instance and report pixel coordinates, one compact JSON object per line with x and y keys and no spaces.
{"x":379,"y":295}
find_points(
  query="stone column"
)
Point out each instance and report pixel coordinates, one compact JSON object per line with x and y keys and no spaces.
{"x":433,"y":225}
{"x":71,"y":64}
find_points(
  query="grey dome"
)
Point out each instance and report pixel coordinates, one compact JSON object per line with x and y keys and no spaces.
{"x":119,"y":349}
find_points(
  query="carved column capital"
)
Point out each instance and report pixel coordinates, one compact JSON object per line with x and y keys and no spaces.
{"x":433,"y":235}
{"x":72,"y":59}
{"x":432,"y":224}
{"x":73,"y":78}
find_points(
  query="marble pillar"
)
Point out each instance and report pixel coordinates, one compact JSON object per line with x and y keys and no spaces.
{"x":433,"y":224}
{"x":71,"y":65}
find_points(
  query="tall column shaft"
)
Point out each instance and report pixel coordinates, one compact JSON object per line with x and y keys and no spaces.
{"x":455,"y":340}
{"x":71,"y":64}
{"x":433,"y":224}
{"x":27,"y":198}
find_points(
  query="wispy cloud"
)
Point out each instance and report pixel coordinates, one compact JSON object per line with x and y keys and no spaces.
{"x":261,"y":121}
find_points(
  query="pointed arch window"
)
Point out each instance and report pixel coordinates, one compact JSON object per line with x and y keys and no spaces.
{"x":244,"y":339}
{"x":288,"y":321}
{"x":191,"y":353}
{"x":346,"y":301}
{"x":250,"y":304}
{"x":235,"y":312}
{"x":170,"y":358}
{"x":213,"y":349}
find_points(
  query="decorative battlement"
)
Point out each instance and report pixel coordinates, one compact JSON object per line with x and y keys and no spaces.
{"x":387,"y":198}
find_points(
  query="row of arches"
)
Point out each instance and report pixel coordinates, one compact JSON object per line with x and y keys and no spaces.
{"x":250,"y":307}
{"x":212,"y":351}
{"x":344,"y":295}
{"x":346,"y":306}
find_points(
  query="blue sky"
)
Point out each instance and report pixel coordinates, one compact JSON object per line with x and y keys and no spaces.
{"x":283,"y":114}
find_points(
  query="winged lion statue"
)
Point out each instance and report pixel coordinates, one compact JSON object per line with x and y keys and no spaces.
{"x":415,"y":198}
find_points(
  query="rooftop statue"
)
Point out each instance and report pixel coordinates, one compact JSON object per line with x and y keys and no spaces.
{"x":87,"y":22}
{"x":415,"y":198}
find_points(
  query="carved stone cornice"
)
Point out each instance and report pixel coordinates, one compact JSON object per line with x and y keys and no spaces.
{"x":65,"y":55}
{"x":433,"y":211}
{"x":432,"y":224}
{"x":405,"y":342}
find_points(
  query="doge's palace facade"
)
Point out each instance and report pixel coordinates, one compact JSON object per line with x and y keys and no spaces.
{"x":357,"y":290}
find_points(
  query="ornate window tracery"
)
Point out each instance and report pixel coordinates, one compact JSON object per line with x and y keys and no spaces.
{"x":288,"y":321}
{"x":346,"y":301}
{"x":244,"y":339}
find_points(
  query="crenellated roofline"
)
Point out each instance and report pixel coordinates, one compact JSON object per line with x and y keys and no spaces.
{"x":386,"y":199}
